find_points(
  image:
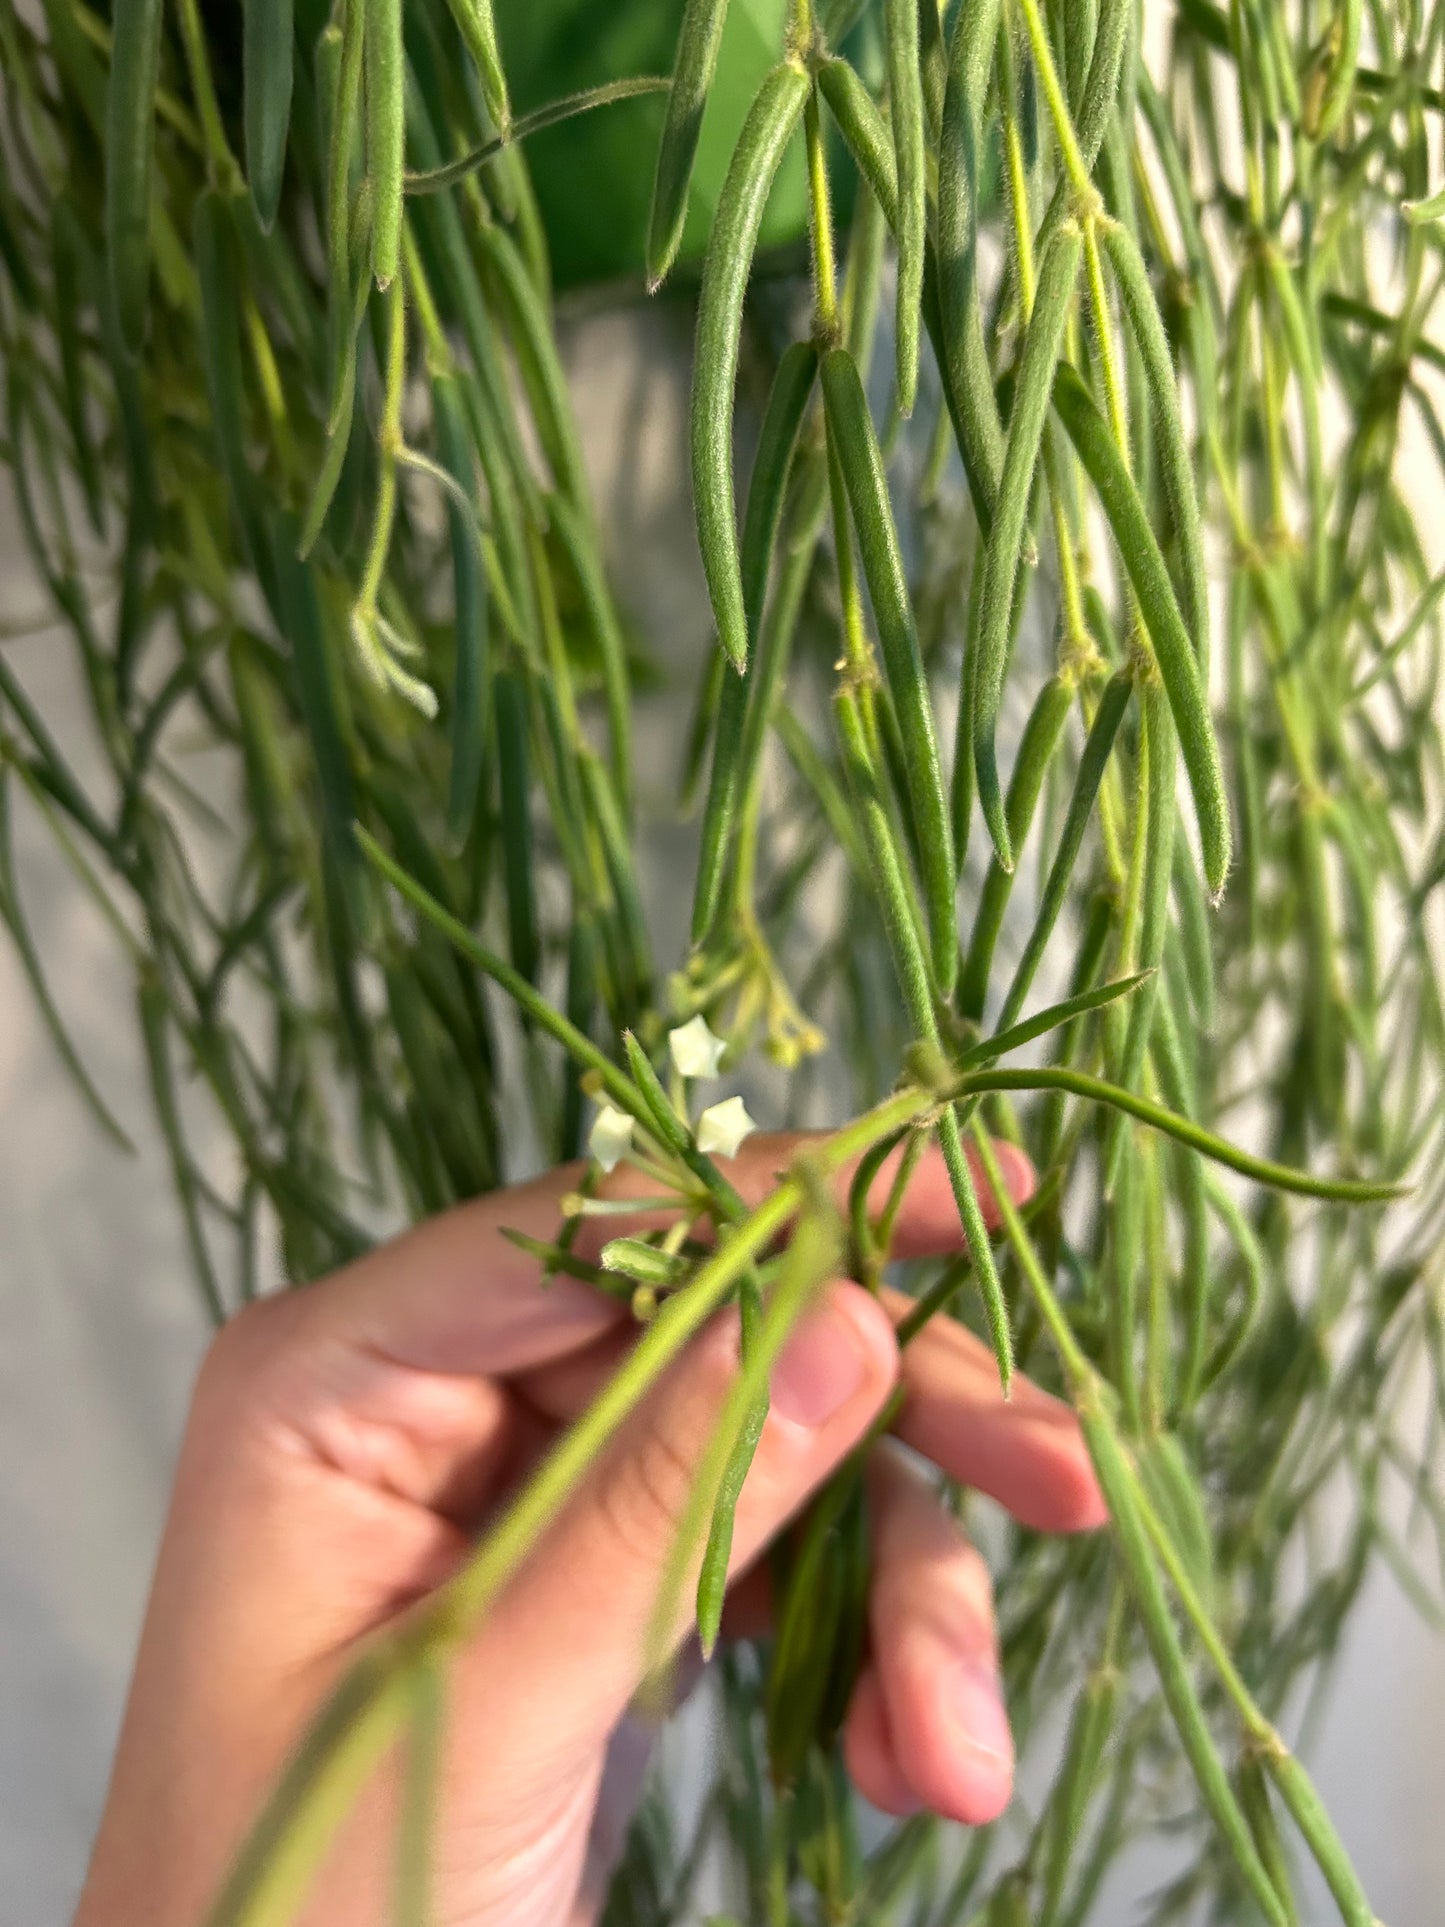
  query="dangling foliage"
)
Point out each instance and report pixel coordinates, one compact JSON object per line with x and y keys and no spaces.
{"x":1069,"y":765}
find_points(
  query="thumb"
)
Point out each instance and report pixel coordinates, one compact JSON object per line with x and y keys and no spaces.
{"x":563,"y":1650}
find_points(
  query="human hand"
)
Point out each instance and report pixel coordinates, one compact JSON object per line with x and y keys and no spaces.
{"x":347,"y":1442}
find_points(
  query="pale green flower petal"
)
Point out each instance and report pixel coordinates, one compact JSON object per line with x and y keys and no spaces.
{"x":610,"y":1138}
{"x":722,"y":1128}
{"x":695,"y":1051}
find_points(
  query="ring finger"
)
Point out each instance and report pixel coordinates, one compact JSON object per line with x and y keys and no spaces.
{"x":928,"y":1719}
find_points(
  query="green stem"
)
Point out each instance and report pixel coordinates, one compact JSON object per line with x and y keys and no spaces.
{"x":221,"y":163}
{"x":1263,"y":1170}
{"x":1058,"y":106}
{"x":825,"y":275}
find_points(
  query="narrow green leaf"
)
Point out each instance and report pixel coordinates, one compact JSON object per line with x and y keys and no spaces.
{"x":478,"y":29}
{"x":469,"y":685}
{"x":12,"y":913}
{"x":769,"y":127}
{"x":1101,"y":85}
{"x":385,"y":62}
{"x":980,"y":1246}
{"x":155,"y":1025}
{"x":555,"y":1258}
{"x":960,"y":306}
{"x":71,"y":261}
{"x":1173,"y":651}
{"x":1043,"y":340}
{"x":850,"y":431}
{"x":1176,"y":465}
{"x":1157,"y":747}
{"x":1196,"y":941}
{"x":267,"y":31}
{"x":1017,"y":1035}
{"x":130,"y":159}
{"x":303,"y":626}
{"x":534,"y":341}
{"x":698,"y":40}
{"x":1343,"y":52}
{"x":905,"y":100}
{"x":1118,"y":1481}
{"x":523,"y":938}
{"x":767,"y":489}
{"x":864,"y":131}
{"x":712,"y":1575}
{"x":813,"y":1255}
{"x":661,"y":1114}
{"x":1035,"y":753}
{"x":618,"y":1087}
{"x":1419,"y":213}
{"x":581,"y":550}
{"x":217,"y":273}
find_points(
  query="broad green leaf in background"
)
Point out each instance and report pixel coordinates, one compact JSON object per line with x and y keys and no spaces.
{"x":593,"y":180}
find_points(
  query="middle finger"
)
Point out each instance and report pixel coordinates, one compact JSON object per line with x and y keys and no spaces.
{"x":928,"y":1715}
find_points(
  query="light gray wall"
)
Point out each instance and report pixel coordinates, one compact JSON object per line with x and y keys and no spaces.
{"x":100,"y":1328}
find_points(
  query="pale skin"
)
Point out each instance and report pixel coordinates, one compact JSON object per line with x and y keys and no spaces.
{"x":347,"y":1443}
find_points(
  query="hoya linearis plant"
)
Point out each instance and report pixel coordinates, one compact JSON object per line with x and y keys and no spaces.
{"x":1068,"y":758}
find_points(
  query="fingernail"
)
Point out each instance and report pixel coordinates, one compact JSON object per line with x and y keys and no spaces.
{"x":822,"y":1366}
{"x":978,"y":1710}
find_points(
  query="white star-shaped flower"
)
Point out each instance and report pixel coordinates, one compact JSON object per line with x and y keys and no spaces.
{"x":722,"y":1128}
{"x":610,"y":1138}
{"x":695,"y":1051}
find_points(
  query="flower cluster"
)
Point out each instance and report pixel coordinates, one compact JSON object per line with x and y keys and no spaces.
{"x":720,"y":1129}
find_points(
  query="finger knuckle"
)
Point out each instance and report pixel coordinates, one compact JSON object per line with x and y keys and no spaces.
{"x":240,"y":1351}
{"x":972,"y":1587}
{"x":972,"y":1569}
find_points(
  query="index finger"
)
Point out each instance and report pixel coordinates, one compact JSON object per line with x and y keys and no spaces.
{"x":455,"y":1295}
{"x":1026,"y":1451}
